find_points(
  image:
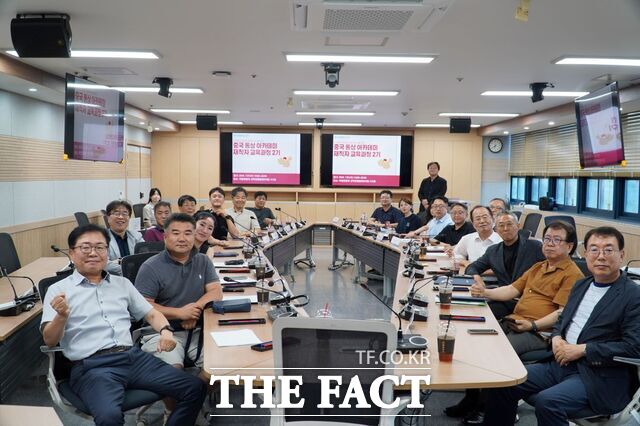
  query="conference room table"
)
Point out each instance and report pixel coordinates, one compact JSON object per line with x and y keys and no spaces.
{"x":20,"y":337}
{"x":479,"y":361}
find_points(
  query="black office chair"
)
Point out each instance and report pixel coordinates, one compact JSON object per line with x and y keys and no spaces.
{"x":81,"y":218}
{"x":60,"y":370}
{"x":531,"y":223}
{"x":564,"y":218}
{"x":149,"y":247}
{"x":8,"y":254}
{"x":582,"y":264}
{"x":137,"y":212}
{"x":518,"y":214}
{"x":131,"y":264}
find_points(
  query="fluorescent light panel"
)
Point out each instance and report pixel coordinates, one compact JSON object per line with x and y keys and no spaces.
{"x":113,"y":54}
{"x":575,"y":60}
{"x":414,"y":59}
{"x":438,"y":125}
{"x":346,"y":92}
{"x":222,"y":123}
{"x":191,"y":111}
{"x":325,"y":124}
{"x":343,"y":113}
{"x":528,"y":93}
{"x":155,"y":90}
{"x":477,"y":114}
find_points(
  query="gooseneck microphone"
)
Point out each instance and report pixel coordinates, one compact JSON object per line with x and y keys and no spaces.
{"x":298,"y":223}
{"x":406,"y":342}
{"x":255,"y":237}
{"x":18,"y":304}
{"x":57,"y":249}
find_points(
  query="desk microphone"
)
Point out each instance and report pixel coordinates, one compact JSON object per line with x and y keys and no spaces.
{"x":406,"y":342}
{"x":297,"y":223}
{"x":255,"y":238}
{"x":70,"y":266}
{"x":626,"y":268}
{"x":18,"y":304}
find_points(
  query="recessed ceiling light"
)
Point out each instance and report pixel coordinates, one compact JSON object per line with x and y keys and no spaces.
{"x":505,"y":132}
{"x":576,"y":60}
{"x":325,"y":124}
{"x":346,"y":92}
{"x":322,"y":113}
{"x":33,"y":89}
{"x":221,"y":123}
{"x":191,"y":111}
{"x":113,"y":54}
{"x":156,"y":128}
{"x":551,"y":123}
{"x":528,"y":93}
{"x":477,"y":114}
{"x":414,"y":59}
{"x":155,"y":90}
{"x":439,"y":125}
{"x":526,"y":128}
{"x":142,"y":123}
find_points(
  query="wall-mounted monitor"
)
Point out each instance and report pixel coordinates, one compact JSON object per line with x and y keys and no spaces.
{"x":380,"y":161}
{"x":94,"y":121}
{"x":273,"y":159}
{"x":599,"y":128}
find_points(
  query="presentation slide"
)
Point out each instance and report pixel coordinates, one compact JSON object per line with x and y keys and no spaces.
{"x":366,"y":160}
{"x":266,"y":159}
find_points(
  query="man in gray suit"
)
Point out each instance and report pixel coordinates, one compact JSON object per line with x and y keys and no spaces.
{"x":508,"y":260}
{"x":122,"y":241}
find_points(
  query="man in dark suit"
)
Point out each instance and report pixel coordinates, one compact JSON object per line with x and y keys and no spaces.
{"x":508,"y":260}
{"x":599,"y":322}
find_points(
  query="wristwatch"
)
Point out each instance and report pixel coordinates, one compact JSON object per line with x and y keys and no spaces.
{"x":167,"y":327}
{"x":534,"y":327}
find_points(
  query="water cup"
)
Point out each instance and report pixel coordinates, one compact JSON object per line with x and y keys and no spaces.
{"x":445,"y":291}
{"x":446,"y":341}
{"x":262,"y":296}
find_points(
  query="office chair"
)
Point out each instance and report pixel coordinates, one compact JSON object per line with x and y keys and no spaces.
{"x":8,"y":254}
{"x":137,"y":212}
{"x":81,"y":218}
{"x":564,"y":218}
{"x":131,"y":264}
{"x":304,"y":346}
{"x":149,"y":247}
{"x":105,"y":217}
{"x":59,"y":372}
{"x":531,"y":223}
{"x":518,"y":214}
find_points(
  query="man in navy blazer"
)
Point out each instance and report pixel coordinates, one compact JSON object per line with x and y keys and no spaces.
{"x":508,"y":260}
{"x":601,"y":320}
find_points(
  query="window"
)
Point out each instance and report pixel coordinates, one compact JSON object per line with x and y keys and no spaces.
{"x":539,"y":188}
{"x":566,"y":192}
{"x":518,"y":185}
{"x":599,"y":195}
{"x":631,"y":197}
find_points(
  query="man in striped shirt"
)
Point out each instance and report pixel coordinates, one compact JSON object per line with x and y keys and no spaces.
{"x":599,"y":322}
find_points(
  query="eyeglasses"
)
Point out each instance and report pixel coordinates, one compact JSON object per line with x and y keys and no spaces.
{"x":87,"y":248}
{"x":456,"y":212}
{"x":119,"y":213}
{"x":438,"y":206}
{"x":595,"y":251}
{"x":555,"y":241}
{"x":506,"y":225}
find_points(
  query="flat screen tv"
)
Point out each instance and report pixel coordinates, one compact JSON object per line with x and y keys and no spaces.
{"x":599,"y":128}
{"x":94,"y":121}
{"x":379,"y":161}
{"x":271,"y":159}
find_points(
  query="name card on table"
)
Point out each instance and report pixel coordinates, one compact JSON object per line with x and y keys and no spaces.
{"x":287,"y":229}
{"x":274,"y":236}
{"x":362,"y":228}
{"x":399,"y":241}
{"x":266,"y":239}
{"x":380,"y":236}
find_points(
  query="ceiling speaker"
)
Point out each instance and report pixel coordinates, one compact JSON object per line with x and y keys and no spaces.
{"x":206,"y":122}
{"x":41,"y":35}
{"x":460,"y":125}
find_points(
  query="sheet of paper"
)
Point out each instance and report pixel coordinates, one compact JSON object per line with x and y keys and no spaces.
{"x":223,"y":266}
{"x":242,"y":337}
{"x":252,"y":297}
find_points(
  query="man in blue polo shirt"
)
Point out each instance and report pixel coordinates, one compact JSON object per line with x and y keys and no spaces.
{"x":88,"y":314}
{"x":386,"y":212}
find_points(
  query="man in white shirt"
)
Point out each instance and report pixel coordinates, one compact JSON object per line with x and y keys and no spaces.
{"x":472,"y":246}
{"x":245,"y":219}
{"x":441,"y":218}
{"x":599,"y":322}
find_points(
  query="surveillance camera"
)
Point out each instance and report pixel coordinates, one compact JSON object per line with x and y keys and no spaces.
{"x":319,"y":123}
{"x":332,"y":73}
{"x":537,"y":89}
{"x":164,"y":83}
{"x":150,"y":128}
